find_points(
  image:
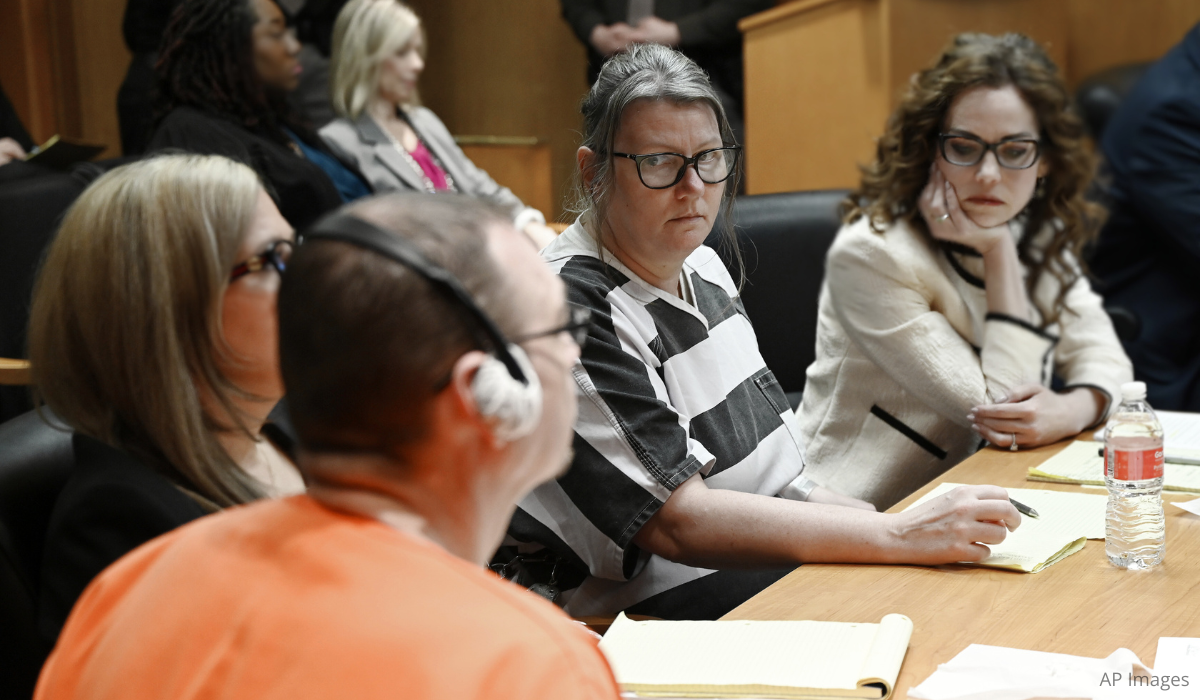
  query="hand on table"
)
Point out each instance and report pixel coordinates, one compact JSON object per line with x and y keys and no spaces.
{"x":10,"y":150}
{"x":653,"y":30}
{"x":611,"y":38}
{"x":823,"y":495}
{"x":1035,"y":415}
{"x":939,"y":200}
{"x":955,"y":527}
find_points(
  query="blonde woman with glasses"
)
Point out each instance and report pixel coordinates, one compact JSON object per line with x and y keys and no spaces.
{"x":153,"y":337}
{"x":383,"y":131}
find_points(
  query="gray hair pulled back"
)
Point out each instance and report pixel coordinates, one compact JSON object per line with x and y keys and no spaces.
{"x":644,"y":72}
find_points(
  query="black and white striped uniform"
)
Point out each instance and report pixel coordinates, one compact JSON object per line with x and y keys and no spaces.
{"x":666,"y":389}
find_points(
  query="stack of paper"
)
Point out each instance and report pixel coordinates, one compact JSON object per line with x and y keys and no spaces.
{"x":1081,"y":463}
{"x":1066,"y":521}
{"x":743,"y":658}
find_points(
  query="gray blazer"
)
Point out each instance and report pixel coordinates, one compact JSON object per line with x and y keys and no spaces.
{"x":362,"y":144}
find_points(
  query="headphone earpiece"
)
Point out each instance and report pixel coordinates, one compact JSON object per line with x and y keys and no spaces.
{"x":513,"y":406}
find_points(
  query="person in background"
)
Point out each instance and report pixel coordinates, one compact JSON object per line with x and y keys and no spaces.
{"x":704,"y":30}
{"x":224,"y":72}
{"x":953,"y":293}
{"x":142,"y":27}
{"x":152,"y":337}
{"x":1149,"y":250}
{"x":383,"y":132}
{"x":424,"y":409}
{"x":313,"y":20}
{"x":686,"y":453}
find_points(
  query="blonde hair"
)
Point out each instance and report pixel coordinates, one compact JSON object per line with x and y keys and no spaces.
{"x":365,"y":33}
{"x":126,"y":318}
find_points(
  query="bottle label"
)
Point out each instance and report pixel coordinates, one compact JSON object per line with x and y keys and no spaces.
{"x":1133,"y":465}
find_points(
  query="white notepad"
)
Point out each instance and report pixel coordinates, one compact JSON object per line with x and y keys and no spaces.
{"x":1066,"y":521}
{"x":745,"y":658}
{"x":1081,"y":463}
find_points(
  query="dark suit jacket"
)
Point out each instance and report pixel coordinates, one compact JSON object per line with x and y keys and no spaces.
{"x":1148,"y":256}
{"x":111,"y":505}
{"x":708,"y":32}
{"x":301,"y":189}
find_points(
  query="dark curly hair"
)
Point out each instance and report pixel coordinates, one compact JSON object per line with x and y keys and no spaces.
{"x":206,"y":62}
{"x":893,"y":183}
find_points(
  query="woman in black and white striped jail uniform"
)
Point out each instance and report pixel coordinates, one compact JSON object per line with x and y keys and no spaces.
{"x":684,"y":437}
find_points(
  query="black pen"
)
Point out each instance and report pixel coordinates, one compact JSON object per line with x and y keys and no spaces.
{"x":1024,"y":509}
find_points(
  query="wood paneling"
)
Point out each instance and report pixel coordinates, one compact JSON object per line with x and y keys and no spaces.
{"x":920,"y":29}
{"x":101,"y":62}
{"x":524,"y":168}
{"x":822,"y":75}
{"x":27,"y":60}
{"x":816,"y":95}
{"x":506,"y":69}
{"x":61,"y":62}
{"x":1107,"y":33}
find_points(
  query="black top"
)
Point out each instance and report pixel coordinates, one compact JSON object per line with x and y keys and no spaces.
{"x":708,"y":32}
{"x":1149,"y":251}
{"x":111,"y":505}
{"x":145,"y":22}
{"x":302,"y":190}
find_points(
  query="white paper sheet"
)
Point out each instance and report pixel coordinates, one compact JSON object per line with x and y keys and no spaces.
{"x":1192,"y":507}
{"x":998,"y":673}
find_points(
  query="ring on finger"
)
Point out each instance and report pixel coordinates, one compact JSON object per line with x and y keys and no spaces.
{"x":942,"y":218}
{"x":1012,"y":446}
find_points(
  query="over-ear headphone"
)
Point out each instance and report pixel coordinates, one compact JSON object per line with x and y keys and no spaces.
{"x":506,"y":387}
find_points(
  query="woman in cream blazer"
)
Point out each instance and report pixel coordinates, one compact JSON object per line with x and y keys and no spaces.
{"x":377,"y":56}
{"x":953,"y":295}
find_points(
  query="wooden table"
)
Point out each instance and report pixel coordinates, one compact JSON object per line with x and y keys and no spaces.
{"x":1081,"y":605}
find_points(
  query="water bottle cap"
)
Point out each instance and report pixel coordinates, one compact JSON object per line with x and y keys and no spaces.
{"x":1133,"y":391}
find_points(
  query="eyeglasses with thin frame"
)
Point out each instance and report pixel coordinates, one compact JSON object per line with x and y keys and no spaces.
{"x":658,"y":171}
{"x":277,"y":256}
{"x":578,"y":325}
{"x":967,"y":150}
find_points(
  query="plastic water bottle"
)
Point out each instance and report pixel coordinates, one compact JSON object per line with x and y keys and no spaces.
{"x":1134,"y":532}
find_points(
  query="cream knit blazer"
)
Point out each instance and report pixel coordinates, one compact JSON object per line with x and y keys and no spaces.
{"x":906,"y":348}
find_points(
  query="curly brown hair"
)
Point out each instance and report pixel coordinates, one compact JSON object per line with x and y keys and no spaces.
{"x":892,"y":184}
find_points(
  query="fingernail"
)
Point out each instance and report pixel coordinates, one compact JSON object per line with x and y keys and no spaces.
{"x":971,"y":417}
{"x":975,"y":428}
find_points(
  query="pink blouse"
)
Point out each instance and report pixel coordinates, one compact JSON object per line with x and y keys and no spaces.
{"x":429,"y":166}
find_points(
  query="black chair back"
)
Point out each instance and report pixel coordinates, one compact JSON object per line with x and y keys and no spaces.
{"x":784,"y":238}
{"x":1100,"y":95}
{"x":35,"y":462}
{"x":30,"y":210}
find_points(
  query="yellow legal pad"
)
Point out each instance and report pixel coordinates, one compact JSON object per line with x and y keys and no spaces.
{"x":1067,"y":521}
{"x":755,"y":659}
{"x":1081,"y":463}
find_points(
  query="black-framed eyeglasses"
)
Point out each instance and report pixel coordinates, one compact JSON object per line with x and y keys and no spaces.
{"x":277,"y":256}
{"x":578,"y":325}
{"x":965,"y":149}
{"x":658,"y":171}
